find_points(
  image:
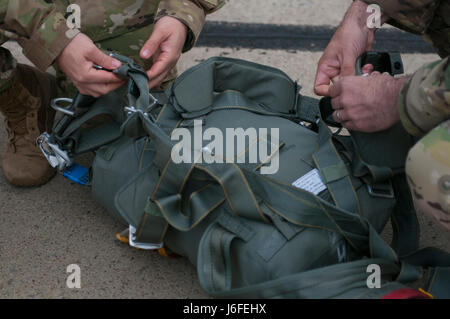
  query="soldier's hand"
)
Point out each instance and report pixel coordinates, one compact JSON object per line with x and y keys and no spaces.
{"x":366,"y":104}
{"x":165,"y":46}
{"x":351,"y":40}
{"x":77,"y":61}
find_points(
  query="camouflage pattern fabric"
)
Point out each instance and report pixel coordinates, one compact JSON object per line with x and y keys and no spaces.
{"x":38,"y":27}
{"x":424,"y":105}
{"x":428,"y":171}
{"x":7,"y":69}
{"x":41,"y":28}
{"x":430,"y":18}
{"x":424,"y":101}
{"x":187,"y":12}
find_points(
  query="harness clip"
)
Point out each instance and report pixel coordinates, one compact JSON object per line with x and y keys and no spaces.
{"x":56,"y":157}
{"x":381,"y":190}
{"x":140,"y":245}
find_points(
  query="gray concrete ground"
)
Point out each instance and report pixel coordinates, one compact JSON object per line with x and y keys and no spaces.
{"x":43,"y":230}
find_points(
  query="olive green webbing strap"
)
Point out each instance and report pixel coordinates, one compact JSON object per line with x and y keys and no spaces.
{"x":436,"y":263}
{"x":148,"y":221}
{"x":347,"y":280}
{"x":138,"y":91}
{"x":334,"y":172}
{"x":229,"y":184}
{"x":371,"y":174}
{"x":439,"y":282}
{"x":332,"y":168}
{"x":167,"y":197}
{"x":307,"y":109}
{"x":269,"y":87}
{"x":85,"y":140}
{"x":406,"y":230}
{"x":405,"y":225}
{"x":79,"y":141}
{"x":232,"y":99}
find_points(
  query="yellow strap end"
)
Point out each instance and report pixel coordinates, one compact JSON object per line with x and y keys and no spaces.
{"x":163,"y":252}
{"x":122,"y":239}
{"x":426,"y":293}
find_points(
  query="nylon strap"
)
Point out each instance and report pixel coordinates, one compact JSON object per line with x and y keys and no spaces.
{"x":68,"y":131}
{"x":334,"y":172}
{"x":69,"y":134}
{"x":348,"y":280}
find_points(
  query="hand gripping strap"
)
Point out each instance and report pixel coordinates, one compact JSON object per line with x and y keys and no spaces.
{"x":68,"y":131}
{"x":138,"y":91}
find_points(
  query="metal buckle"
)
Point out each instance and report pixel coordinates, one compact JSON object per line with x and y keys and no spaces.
{"x":145,"y":246}
{"x":56,"y":157}
{"x":131,"y":109}
{"x":381,"y":190}
{"x":55,"y":104}
{"x":152,"y":104}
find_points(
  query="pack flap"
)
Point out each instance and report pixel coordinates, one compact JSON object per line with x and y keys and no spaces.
{"x":201,"y":88}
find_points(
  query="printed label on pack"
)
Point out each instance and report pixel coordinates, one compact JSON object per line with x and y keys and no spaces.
{"x":311,"y":182}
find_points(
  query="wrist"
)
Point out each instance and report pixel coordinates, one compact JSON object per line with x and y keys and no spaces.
{"x":357,"y":17}
{"x":190,"y":14}
{"x":400,"y":81}
{"x":61,"y":55}
{"x":397,"y":86}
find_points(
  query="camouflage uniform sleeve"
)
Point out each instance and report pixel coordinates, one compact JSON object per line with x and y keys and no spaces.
{"x":191,"y":12}
{"x":410,"y":15}
{"x":37,"y":26}
{"x":429,"y":18}
{"x":424,"y":101}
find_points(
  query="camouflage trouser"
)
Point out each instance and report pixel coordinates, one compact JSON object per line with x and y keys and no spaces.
{"x":428,"y":171}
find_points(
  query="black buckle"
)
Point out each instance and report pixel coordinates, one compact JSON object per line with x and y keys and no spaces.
{"x":390,"y":62}
{"x":326,"y":112}
{"x":385,"y":190}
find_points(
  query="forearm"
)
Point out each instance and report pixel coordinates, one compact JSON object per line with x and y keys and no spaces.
{"x":38,"y":27}
{"x":191,"y":12}
{"x":424,"y":101}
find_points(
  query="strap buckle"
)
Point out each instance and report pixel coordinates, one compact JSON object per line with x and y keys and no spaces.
{"x":68,"y":110}
{"x":56,"y":157}
{"x":154,"y":102}
{"x":132,"y":109}
{"x":141,"y":245}
{"x":385,"y":190}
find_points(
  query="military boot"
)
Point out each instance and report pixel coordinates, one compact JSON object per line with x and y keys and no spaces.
{"x":26,"y":108}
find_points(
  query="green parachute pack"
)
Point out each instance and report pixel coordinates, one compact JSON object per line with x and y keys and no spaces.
{"x":235,"y":170}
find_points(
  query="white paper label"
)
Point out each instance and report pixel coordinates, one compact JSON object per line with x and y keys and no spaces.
{"x":311,"y":182}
